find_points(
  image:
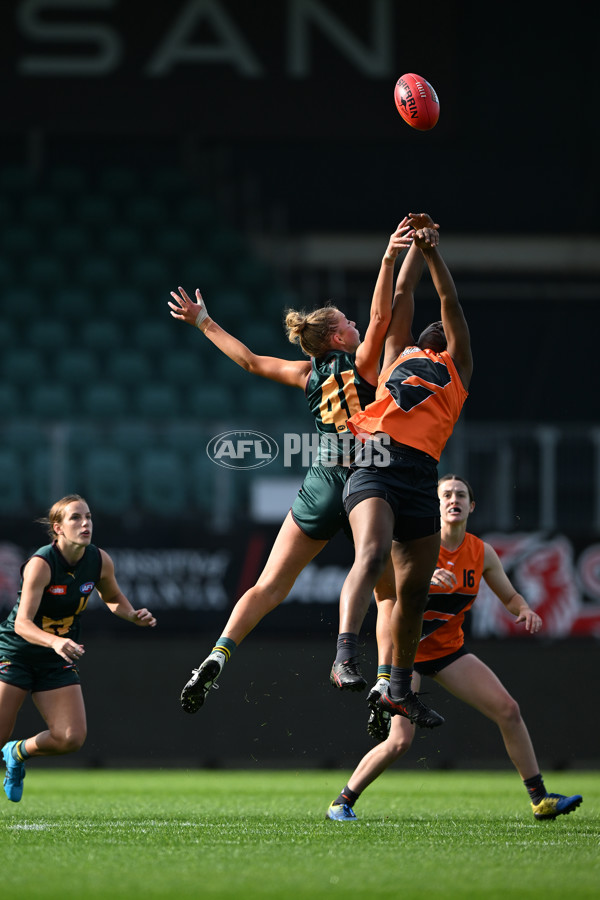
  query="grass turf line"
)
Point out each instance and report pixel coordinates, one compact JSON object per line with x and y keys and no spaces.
{"x":123,"y":834}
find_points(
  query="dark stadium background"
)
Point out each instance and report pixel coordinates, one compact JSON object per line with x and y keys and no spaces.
{"x":254,"y":150}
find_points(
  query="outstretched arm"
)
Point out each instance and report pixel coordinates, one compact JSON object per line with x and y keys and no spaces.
{"x":286,"y":371}
{"x":115,"y":599}
{"x":453,"y":319}
{"x":399,"y":333}
{"x":500,"y":583}
{"x":368,"y":355}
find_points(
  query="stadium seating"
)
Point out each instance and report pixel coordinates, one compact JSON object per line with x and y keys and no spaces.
{"x":87,"y":345}
{"x":105,"y":402}
{"x":11,"y":482}
{"x":10,"y":402}
{"x":163,"y":482}
{"x":107,"y":481}
{"x":23,"y":366}
{"x":51,"y":401}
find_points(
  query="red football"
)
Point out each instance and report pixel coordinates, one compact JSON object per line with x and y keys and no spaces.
{"x":417,"y":102}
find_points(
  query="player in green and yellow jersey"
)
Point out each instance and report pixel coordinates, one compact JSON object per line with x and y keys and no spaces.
{"x":339,"y":378}
{"x":39,"y":641}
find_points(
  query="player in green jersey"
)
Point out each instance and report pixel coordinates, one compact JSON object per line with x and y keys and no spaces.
{"x":339,"y":378}
{"x":39,"y":641}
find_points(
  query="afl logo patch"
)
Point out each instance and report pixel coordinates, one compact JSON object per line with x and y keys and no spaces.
{"x":87,"y":587}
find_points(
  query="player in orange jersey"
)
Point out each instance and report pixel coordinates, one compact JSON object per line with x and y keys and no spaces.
{"x":463,"y":561}
{"x":420,"y":393}
{"x":338,"y":378}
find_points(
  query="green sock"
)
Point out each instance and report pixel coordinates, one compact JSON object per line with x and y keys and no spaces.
{"x":19,"y":753}
{"x":384,"y":672}
{"x":225,"y":646}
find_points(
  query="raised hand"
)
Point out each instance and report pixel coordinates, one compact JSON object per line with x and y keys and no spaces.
{"x":186,"y":310}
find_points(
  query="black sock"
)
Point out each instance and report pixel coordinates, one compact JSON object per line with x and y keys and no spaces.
{"x":535,"y":788}
{"x":400,"y":682}
{"x":347,"y":647}
{"x":346,"y":796}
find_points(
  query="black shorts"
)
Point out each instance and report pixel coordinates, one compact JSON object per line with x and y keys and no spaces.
{"x":408,"y":484}
{"x":432,"y":666}
{"x":32,"y":677}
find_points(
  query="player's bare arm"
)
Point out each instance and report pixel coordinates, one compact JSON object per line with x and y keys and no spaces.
{"x":285,"y":371}
{"x":112,"y":595}
{"x":453,"y":318}
{"x":368,"y":354}
{"x":400,"y":333}
{"x":500,"y":583}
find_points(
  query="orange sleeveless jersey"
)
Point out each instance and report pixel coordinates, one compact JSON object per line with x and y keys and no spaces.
{"x":418,"y":400}
{"x":446,"y":608}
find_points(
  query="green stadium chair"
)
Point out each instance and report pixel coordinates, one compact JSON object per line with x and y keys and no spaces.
{"x":48,"y":336}
{"x":75,"y":366}
{"x":24,"y":366}
{"x":101,"y":335}
{"x":185,"y":437}
{"x":212,"y":403}
{"x":21,"y":304}
{"x":51,"y":401}
{"x":169,"y":182}
{"x":15,"y":179}
{"x":155,"y":336}
{"x":128,"y":305}
{"x":8,"y":335}
{"x":229,"y":305}
{"x":43,"y":211}
{"x":175,"y":242}
{"x":102,"y":402}
{"x":97,"y":273}
{"x":129,"y":368}
{"x":19,"y":241}
{"x":264,"y":401}
{"x":94,"y":210}
{"x":157,"y":401}
{"x":162,"y":483}
{"x":132,"y":436}
{"x":70,"y":241}
{"x":119,"y":181}
{"x":46,"y":272}
{"x":74,"y":304}
{"x":7,"y":273}
{"x":226,"y":246}
{"x":10,"y":401}
{"x":23,"y":436}
{"x":67,"y":180}
{"x":7,"y":213}
{"x":183,"y":368}
{"x":123,"y":242}
{"x":12,"y":494}
{"x":107,"y":481}
{"x":146,"y":211}
{"x":196,"y":213}
{"x":149,"y":273}
{"x":201,"y":273}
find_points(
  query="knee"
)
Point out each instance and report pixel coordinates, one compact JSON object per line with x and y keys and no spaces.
{"x":372,"y":560}
{"x":508,"y":712}
{"x":71,"y":741}
{"x":398,"y":744}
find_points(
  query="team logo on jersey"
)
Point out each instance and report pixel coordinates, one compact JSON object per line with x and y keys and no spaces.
{"x":242,"y":449}
{"x":59,"y":589}
{"x":87,"y":587}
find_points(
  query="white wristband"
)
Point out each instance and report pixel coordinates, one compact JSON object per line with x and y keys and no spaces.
{"x":202,"y":315}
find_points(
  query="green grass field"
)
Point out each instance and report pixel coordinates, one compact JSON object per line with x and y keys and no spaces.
{"x":148,"y":834}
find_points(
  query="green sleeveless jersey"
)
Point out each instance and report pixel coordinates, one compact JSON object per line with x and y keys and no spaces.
{"x":64,"y":599}
{"x":335,"y":391}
